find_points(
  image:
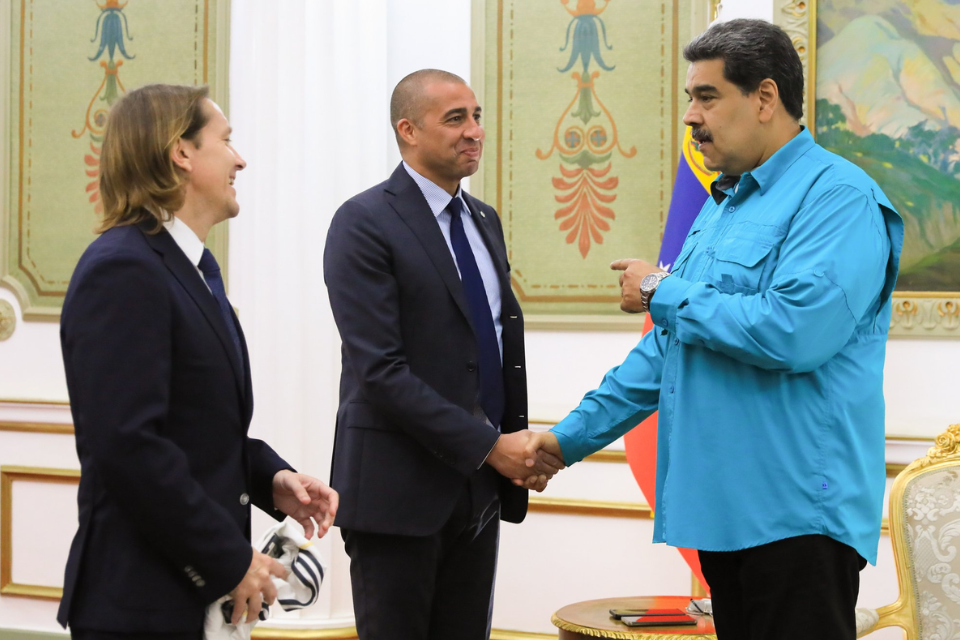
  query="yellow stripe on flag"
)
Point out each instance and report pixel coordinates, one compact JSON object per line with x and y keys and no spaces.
{"x":695,"y":161}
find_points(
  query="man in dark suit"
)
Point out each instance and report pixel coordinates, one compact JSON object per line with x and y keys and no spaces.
{"x":432,"y":418}
{"x":160,"y":392}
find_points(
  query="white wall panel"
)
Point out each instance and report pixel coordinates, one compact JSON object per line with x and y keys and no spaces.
{"x":41,"y":450}
{"x":40,"y":545}
{"x":31,"y":367}
{"x":313,"y":130}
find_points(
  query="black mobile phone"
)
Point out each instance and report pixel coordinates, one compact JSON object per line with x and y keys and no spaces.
{"x":659,"y":619}
{"x":619,"y":613}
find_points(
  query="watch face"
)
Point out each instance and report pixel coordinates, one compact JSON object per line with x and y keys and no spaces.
{"x":649,"y":282}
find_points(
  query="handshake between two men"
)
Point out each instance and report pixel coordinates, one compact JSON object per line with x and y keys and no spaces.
{"x":530,"y":459}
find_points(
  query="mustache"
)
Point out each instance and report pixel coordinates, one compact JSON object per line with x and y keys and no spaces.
{"x":700,"y":135}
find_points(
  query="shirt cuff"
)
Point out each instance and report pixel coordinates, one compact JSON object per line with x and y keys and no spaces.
{"x":491,"y":450}
{"x":571,"y":438}
{"x":668,"y":297}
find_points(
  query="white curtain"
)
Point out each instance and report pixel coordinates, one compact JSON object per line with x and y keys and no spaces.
{"x":309,"y":109}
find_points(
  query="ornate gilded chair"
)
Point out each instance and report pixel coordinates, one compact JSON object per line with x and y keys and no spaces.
{"x":925,"y":532}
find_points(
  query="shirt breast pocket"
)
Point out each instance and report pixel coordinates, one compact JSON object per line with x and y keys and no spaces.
{"x":684,"y":254}
{"x":739,"y":264}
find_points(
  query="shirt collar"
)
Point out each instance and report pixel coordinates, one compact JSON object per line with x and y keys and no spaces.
{"x":436,"y":196}
{"x":185,"y":238}
{"x":767,"y":174}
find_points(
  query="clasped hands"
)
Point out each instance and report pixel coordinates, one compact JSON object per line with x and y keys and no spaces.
{"x":306,"y":500}
{"x":529,"y":459}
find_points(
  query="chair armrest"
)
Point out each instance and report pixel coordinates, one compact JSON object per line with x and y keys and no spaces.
{"x":892,"y":615}
{"x":867,"y":620}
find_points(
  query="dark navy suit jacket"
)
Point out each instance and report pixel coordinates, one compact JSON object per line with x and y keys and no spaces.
{"x":161,"y":405}
{"x":408,"y":437}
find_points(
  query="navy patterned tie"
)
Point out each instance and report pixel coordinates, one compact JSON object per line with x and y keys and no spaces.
{"x":211,"y":273}
{"x":491,"y":370}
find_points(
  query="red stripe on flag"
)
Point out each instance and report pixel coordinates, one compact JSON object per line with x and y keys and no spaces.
{"x":689,"y":193}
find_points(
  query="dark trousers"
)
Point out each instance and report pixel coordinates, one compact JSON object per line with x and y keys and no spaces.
{"x":794,"y":589}
{"x":90,"y":634}
{"x":436,"y":587}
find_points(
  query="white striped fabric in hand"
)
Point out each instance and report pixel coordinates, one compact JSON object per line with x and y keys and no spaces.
{"x":285,"y":542}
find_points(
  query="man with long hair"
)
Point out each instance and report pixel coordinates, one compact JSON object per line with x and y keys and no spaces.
{"x":159,"y":383}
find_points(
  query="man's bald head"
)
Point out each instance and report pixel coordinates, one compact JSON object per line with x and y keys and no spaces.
{"x":409,"y":100}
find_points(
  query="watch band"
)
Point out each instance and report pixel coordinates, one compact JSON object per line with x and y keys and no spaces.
{"x":647,"y":296}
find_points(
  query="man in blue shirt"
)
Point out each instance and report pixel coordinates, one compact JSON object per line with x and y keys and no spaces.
{"x":766,"y":359}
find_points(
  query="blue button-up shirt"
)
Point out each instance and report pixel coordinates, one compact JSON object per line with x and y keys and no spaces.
{"x":765,"y":362}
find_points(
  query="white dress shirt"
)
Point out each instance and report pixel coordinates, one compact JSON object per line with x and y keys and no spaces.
{"x":188,"y":242}
{"x":438,"y":199}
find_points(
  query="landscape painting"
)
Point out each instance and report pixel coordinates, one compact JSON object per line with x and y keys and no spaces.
{"x":888,"y":99}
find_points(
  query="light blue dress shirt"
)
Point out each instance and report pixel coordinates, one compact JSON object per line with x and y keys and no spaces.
{"x":765,"y":362}
{"x":438,"y":199}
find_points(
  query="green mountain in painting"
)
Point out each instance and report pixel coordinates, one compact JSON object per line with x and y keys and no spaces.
{"x":889,"y":101}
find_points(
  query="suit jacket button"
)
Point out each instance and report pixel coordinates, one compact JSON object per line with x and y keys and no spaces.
{"x":244,"y":499}
{"x":471,"y":365}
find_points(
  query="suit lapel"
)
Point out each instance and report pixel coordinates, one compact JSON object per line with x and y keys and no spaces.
{"x":496,"y":249}
{"x":186,"y":273}
{"x":407,"y":200}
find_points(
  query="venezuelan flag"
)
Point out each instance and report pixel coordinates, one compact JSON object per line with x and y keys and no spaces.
{"x":690,"y":190}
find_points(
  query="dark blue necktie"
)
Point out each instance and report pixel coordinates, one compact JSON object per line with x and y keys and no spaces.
{"x":211,"y":274}
{"x":491,"y":370}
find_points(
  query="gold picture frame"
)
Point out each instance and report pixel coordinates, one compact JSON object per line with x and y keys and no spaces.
{"x":9,"y":475}
{"x":566,"y":285}
{"x":934,"y":314}
{"x":54,"y":112}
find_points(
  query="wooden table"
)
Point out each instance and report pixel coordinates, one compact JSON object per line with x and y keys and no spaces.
{"x":591,"y":619}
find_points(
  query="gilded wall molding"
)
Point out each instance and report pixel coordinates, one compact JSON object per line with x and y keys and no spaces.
{"x":577,"y":507}
{"x":716,"y":8}
{"x":53,"y":404}
{"x":350,"y":633}
{"x":796,"y":17}
{"x":20,"y":634}
{"x":696,"y":588}
{"x":607,"y":455}
{"x":267,"y":633}
{"x":37,"y":427}
{"x":500,"y":634}
{"x":9,"y":475}
{"x":617,"y":456}
{"x":632,"y":323}
{"x":8,"y":320}
{"x":921,"y":314}
{"x":911,"y":439}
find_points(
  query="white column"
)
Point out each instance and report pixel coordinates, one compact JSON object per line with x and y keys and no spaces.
{"x":308,"y":104}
